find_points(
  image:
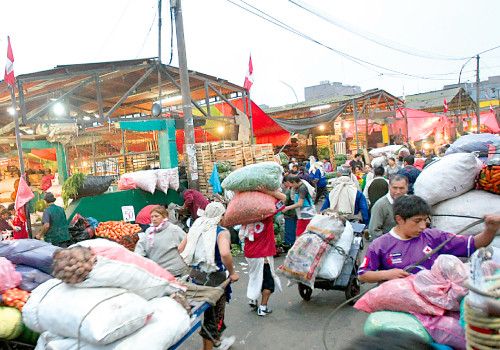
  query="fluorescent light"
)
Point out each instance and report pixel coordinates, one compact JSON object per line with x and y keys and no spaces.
{"x":10,"y":110}
{"x":59,"y":109}
{"x":220,"y":129}
{"x":86,"y":117}
{"x":321,"y":127}
{"x":29,"y":131}
{"x":317,"y":108}
{"x":171,"y":99}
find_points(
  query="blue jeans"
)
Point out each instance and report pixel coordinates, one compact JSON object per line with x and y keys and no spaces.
{"x":290,"y":230}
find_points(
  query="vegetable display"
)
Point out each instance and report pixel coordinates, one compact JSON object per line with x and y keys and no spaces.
{"x":116,"y":230}
{"x":129,"y":241}
{"x":248,"y":178}
{"x":73,"y":265}
{"x":15,"y":297}
{"x":489,"y":179}
{"x":11,"y":323}
{"x":223,"y":166}
{"x":71,"y":186}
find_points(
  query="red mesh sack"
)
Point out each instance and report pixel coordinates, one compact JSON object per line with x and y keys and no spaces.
{"x":248,"y":207}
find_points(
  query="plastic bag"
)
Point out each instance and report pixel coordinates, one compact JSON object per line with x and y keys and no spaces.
{"x":174,"y":178}
{"x":163,"y":180}
{"x":32,"y":277}
{"x":119,"y":267}
{"x":444,"y":330}
{"x":397,"y":295}
{"x":94,"y":185}
{"x":334,"y":261}
{"x":450,"y":177}
{"x":454,"y":214}
{"x":144,"y":179}
{"x":473,"y":143}
{"x":248,"y":207}
{"x":78,"y":232}
{"x":126,"y":183}
{"x":9,"y":277}
{"x":248,"y":178}
{"x":327,"y":227}
{"x":442,"y":285}
{"x":304,"y":259}
{"x":97,"y":315}
{"x":31,"y":252}
{"x":167,"y":326}
{"x":378,"y":152}
{"x":397,"y":322}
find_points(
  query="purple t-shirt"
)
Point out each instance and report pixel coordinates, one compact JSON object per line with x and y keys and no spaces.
{"x":388,"y":252}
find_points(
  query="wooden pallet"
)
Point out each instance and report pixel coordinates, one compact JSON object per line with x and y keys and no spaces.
{"x":205,"y":146}
{"x":231,"y":153}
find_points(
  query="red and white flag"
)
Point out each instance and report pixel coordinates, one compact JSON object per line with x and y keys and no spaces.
{"x":404,"y":95}
{"x":9,"y":66}
{"x":491,"y":108}
{"x":445,"y":106}
{"x":249,"y":76}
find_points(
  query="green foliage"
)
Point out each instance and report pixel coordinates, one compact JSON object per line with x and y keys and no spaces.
{"x":223,"y":166}
{"x":323,"y":152}
{"x":71,"y":186}
{"x":330,"y":175}
{"x":236,"y":249}
{"x":340,"y":159}
{"x":40,"y":205}
{"x":284,"y":159}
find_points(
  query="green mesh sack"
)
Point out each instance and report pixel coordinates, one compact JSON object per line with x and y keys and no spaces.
{"x":248,"y":178}
{"x":395,"y":321}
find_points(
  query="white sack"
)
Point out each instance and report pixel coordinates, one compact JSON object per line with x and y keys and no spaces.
{"x":96,"y":242}
{"x":144,"y":179}
{"x":377,"y":152}
{"x":108,"y":314}
{"x":174,"y":178}
{"x":170,"y":322}
{"x":163,"y":180}
{"x":334,"y":261}
{"x":450,"y":177}
{"x":475,"y":204}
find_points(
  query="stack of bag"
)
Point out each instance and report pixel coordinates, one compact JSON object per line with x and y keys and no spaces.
{"x":308,"y":254}
{"x":121,"y":303}
{"x":150,"y":180}
{"x":248,"y":205}
{"x":449,"y":186}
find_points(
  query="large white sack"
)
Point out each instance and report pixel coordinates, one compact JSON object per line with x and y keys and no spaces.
{"x":454,"y":214}
{"x":174,"y":178}
{"x":377,"y":152}
{"x":447,"y":178}
{"x":144,"y":179}
{"x":105,"y":314}
{"x":163,"y":180}
{"x":334,"y":261}
{"x":170,"y":322}
{"x":96,"y":242}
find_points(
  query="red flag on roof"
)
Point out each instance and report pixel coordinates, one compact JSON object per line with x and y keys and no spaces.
{"x":491,"y":108}
{"x":249,"y":76}
{"x":445,"y":106}
{"x":9,"y":66}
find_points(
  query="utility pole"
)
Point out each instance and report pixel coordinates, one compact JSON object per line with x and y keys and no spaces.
{"x":478,"y":112}
{"x":159,"y":56}
{"x":189,"y":139}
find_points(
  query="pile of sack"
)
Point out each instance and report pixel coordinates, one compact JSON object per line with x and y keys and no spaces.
{"x":113,"y":300}
{"x":150,"y":180}
{"x":449,"y":186}
{"x":426,"y":304}
{"x":249,"y":205}
{"x":322,"y":248}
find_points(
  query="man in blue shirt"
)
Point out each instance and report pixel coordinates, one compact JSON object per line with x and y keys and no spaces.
{"x":410,"y":172}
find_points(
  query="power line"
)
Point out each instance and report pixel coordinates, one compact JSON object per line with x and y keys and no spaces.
{"x":114,"y":28}
{"x":147,"y":35}
{"x":368,"y":36}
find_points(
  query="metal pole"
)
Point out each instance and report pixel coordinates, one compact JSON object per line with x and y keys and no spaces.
{"x":355,"y":111}
{"x":406,"y":125}
{"x":93,"y":154}
{"x":19,"y":145}
{"x":478,"y":112}
{"x":250,"y":115}
{"x":159,"y":55}
{"x":189,"y":138}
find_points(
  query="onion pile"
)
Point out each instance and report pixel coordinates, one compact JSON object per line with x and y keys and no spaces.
{"x":72,"y":265}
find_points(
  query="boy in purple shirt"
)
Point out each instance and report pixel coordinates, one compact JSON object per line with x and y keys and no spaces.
{"x":408,"y":242}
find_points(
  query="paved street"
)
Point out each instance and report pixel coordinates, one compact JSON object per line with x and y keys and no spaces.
{"x":294,"y":323}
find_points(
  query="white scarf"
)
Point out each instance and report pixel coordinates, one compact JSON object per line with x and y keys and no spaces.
{"x":343,"y":196}
{"x":150,"y":232}
{"x":201,"y":238}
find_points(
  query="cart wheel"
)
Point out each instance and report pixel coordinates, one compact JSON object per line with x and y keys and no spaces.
{"x":305,"y":292}
{"x":353,"y":289}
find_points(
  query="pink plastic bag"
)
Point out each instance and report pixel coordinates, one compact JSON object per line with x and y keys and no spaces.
{"x":444,"y":330}
{"x":9,"y":277}
{"x":397,"y":295}
{"x":126,"y":183}
{"x":442,"y":285}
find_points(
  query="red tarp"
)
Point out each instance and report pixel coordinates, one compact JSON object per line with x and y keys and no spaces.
{"x":420,"y":124}
{"x":199,"y":135}
{"x":48,"y":153}
{"x":487,"y":119}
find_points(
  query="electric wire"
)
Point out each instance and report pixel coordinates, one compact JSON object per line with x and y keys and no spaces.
{"x":113,"y":30}
{"x":147,"y":35}
{"x":369,"y":37}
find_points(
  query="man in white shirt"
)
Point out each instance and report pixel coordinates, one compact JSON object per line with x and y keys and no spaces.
{"x":382,"y":217}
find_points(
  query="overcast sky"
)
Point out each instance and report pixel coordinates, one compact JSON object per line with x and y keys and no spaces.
{"x":220,"y":37}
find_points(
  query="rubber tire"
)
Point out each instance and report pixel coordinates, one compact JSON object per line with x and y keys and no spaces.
{"x":305,"y":292}
{"x":353,"y":289}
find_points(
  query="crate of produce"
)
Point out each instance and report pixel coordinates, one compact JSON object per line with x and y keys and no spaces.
{"x":226,"y":144}
{"x":205,"y":146}
{"x":231,"y":153}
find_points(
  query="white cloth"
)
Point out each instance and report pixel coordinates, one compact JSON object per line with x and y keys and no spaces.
{"x":319,"y":165}
{"x":256,"y":276}
{"x":312,"y":164}
{"x":200,"y":246}
{"x":389,"y":198}
{"x":343,"y":196}
{"x":247,"y":231}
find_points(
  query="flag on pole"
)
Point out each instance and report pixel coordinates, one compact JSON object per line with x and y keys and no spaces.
{"x":404,"y":95}
{"x":491,"y":108}
{"x":249,"y":76}
{"x":9,"y":66}
{"x":445,"y":106}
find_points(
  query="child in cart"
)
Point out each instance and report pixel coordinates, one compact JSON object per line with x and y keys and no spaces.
{"x":408,"y":242}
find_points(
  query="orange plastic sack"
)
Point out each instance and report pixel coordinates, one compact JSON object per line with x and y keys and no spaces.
{"x":248,"y":207}
{"x":397,"y":295}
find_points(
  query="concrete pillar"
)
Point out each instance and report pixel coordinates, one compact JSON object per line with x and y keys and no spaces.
{"x":167,"y":146}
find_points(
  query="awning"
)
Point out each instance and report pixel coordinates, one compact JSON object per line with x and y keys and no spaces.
{"x":297,"y":125}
